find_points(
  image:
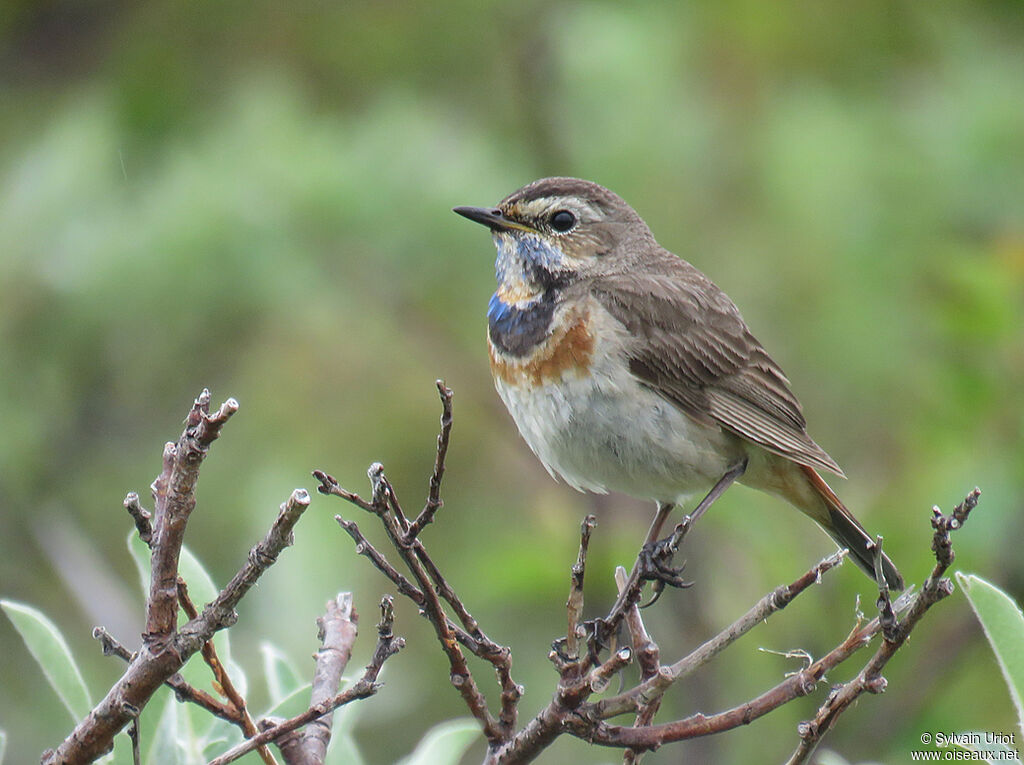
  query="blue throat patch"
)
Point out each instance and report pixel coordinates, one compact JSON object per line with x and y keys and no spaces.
{"x":517,"y":331}
{"x":525,"y":259}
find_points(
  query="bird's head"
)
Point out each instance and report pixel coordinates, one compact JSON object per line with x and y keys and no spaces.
{"x":555,"y":231}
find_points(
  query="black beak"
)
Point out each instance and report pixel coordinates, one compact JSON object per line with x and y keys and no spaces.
{"x":492,"y":217}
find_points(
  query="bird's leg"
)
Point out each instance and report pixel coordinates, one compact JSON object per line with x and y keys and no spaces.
{"x":727,"y":480}
{"x":655,"y":558}
{"x":664,"y":508}
{"x":630,"y":592}
{"x":655,"y":561}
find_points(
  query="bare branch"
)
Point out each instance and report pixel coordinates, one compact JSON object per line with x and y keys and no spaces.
{"x":150,"y":668}
{"x":582,"y":673}
{"x":140,"y":515}
{"x":183,"y":691}
{"x":430,"y":587}
{"x":659,"y":555}
{"x":870,"y":679}
{"x":363,"y":547}
{"x":338,"y":628}
{"x":387,"y":645}
{"x":133,"y":734}
{"x":220,"y":613}
{"x":570,"y":712}
{"x":648,"y":655}
{"x":174,"y":498}
{"x":222,"y":678}
{"x":460,"y":675}
{"x":647,"y":651}
{"x":434,"y":502}
{"x":479,"y":647}
{"x":574,"y":605}
{"x":771,"y":603}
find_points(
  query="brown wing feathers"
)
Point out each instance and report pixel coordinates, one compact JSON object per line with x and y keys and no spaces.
{"x":694,"y":348}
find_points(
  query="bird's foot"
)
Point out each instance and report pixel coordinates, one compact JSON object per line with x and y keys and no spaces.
{"x":655,"y":565}
{"x":594,"y":633}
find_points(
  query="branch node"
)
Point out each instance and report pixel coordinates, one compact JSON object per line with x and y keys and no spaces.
{"x":387,"y":616}
{"x":327,"y":482}
{"x":140,"y":515}
{"x":379,"y":487}
{"x":943,"y":588}
{"x":806,"y":682}
{"x":886,"y":616}
{"x":601,"y":675}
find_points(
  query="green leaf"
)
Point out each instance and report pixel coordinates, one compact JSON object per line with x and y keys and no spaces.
{"x":295,"y":703}
{"x":343,"y":749}
{"x":1003,"y":623}
{"x":445,"y":743}
{"x":51,"y":652}
{"x":201,"y":588}
{"x":828,"y":757}
{"x":175,"y":731}
{"x":281,"y":673}
{"x":200,"y":584}
{"x":168,"y":747}
{"x":220,"y":737}
{"x":139,"y":551}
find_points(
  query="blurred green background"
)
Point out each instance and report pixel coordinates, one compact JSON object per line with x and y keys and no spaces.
{"x":255,"y":197}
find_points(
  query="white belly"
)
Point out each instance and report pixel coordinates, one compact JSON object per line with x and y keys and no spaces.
{"x":603,"y":431}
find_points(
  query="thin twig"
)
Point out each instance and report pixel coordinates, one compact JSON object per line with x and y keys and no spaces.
{"x":477,"y":643}
{"x":404,"y":586}
{"x":574,"y":604}
{"x":648,"y":655}
{"x":222,"y":678}
{"x":654,"y":687}
{"x":434,"y":502}
{"x":133,"y":734}
{"x":630,"y":593}
{"x":140,"y":515}
{"x":869,"y":679}
{"x":387,"y":645}
{"x":571,"y":713}
{"x":460,"y":675}
{"x":796,"y":685}
{"x":174,"y":498}
{"x":149,"y":669}
{"x":771,"y":603}
{"x":580,"y":676}
{"x":338,"y":629}
{"x":363,"y":547}
{"x":431,"y":587}
{"x":183,"y":691}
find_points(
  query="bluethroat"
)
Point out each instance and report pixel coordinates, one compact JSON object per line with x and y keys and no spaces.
{"x":626,"y":369}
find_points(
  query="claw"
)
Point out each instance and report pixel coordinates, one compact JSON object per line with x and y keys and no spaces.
{"x":656,"y":566}
{"x":595,"y":634}
{"x":659,"y":587}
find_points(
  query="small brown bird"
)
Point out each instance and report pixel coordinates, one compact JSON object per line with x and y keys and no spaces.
{"x":626,"y":369}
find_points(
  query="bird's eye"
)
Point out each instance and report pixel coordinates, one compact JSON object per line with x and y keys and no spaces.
{"x":563,"y":220}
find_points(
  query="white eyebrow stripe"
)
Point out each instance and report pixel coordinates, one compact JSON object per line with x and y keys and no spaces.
{"x":575,"y":204}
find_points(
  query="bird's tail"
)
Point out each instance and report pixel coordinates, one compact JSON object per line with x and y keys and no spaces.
{"x":846,"y":530}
